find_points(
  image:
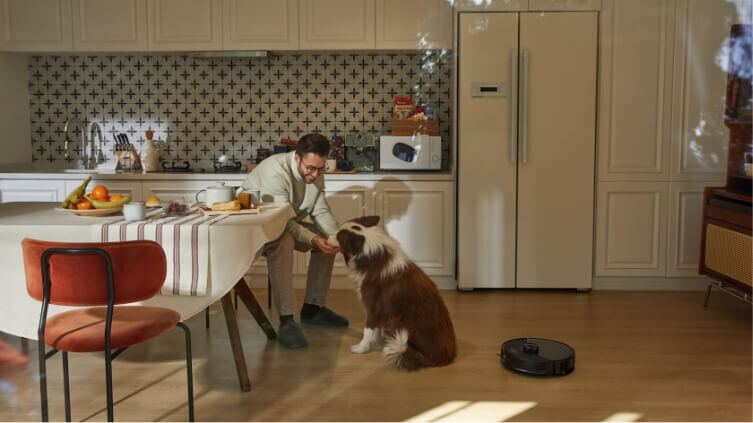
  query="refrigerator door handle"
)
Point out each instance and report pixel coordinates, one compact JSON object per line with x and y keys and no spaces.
{"x":524,"y":110}
{"x":513,"y":146}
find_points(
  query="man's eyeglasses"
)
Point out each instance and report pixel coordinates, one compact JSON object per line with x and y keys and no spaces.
{"x":314,"y":169}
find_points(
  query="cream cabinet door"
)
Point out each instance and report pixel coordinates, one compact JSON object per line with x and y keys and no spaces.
{"x":631,"y":229}
{"x":635,"y":69}
{"x":348,"y":200}
{"x":336,"y":24}
{"x":416,"y":24}
{"x":185,"y":25}
{"x":699,"y":135}
{"x":132,"y":188}
{"x":684,"y":227}
{"x":420,"y":216}
{"x":563,"y":5}
{"x":260,"y":25}
{"x":177,"y":190}
{"x":109,"y":25}
{"x":35,"y":25}
{"x":31,"y":190}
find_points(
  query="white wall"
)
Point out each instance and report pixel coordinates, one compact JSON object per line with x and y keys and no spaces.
{"x":15,"y":112}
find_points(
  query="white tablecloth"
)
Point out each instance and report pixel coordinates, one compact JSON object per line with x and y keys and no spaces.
{"x":234,"y":243}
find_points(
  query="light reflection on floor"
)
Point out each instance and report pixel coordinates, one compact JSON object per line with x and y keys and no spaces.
{"x":474,"y":411}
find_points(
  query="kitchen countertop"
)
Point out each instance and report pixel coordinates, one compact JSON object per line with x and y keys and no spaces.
{"x":33,"y":171}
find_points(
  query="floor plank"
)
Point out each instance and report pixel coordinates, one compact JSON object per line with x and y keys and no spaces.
{"x":656,"y":356}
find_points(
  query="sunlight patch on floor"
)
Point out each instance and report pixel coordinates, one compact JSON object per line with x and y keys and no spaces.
{"x":624,"y":417}
{"x":474,"y":411}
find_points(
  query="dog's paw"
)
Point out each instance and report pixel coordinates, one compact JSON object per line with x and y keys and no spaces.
{"x":360,"y":348}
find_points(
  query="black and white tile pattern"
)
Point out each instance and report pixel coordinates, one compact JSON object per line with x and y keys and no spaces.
{"x":210,"y":107}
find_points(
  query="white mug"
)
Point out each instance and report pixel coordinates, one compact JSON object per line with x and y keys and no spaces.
{"x":135,"y":210}
{"x":331,"y":165}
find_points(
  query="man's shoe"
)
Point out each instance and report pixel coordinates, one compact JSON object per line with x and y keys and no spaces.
{"x":290,"y":335}
{"x":326,"y":317}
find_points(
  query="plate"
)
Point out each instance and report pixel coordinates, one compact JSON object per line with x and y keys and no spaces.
{"x":91,"y":212}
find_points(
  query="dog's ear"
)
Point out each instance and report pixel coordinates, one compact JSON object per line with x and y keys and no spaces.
{"x":350,"y":244}
{"x":366,"y":221}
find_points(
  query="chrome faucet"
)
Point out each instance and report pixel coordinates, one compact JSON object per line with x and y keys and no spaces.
{"x":95,"y":130}
{"x":83,"y":160}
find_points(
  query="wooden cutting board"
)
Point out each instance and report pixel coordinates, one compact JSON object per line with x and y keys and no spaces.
{"x":209,"y":212}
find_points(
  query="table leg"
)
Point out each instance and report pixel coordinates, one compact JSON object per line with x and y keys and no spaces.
{"x":254,"y":308}
{"x":235,"y":342}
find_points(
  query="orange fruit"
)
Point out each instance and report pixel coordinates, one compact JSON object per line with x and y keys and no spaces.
{"x":83,"y":204}
{"x":115,"y":197}
{"x":99,"y":193}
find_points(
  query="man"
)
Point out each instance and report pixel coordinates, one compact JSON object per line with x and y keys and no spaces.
{"x":298,"y":178}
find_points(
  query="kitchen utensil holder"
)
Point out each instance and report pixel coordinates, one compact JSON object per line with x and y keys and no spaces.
{"x":128,"y":160}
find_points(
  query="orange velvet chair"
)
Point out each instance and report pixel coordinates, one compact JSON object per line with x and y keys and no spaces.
{"x":98,"y":274}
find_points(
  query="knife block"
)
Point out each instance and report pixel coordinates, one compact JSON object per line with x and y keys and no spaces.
{"x":128,"y":160}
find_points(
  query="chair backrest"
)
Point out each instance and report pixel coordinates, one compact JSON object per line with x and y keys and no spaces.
{"x":138,"y":268}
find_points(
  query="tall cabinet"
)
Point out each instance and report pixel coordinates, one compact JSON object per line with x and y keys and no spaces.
{"x":526,"y":139}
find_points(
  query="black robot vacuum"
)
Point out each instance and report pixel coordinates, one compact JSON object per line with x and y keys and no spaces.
{"x":538,"y":357}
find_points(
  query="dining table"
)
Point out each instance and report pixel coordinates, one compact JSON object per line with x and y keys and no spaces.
{"x":207,"y":258}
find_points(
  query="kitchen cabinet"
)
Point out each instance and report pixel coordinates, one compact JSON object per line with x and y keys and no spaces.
{"x":698,"y":150}
{"x":185,"y":25}
{"x":683,"y":229}
{"x":417,"y":24}
{"x":110,"y":25}
{"x":260,"y":24}
{"x":563,"y":5}
{"x":663,"y":56}
{"x":39,"y":190}
{"x":178,"y":190}
{"x":35,"y":25}
{"x":526,"y":146}
{"x":631,"y":223}
{"x":336,"y":24}
{"x":420,"y":216}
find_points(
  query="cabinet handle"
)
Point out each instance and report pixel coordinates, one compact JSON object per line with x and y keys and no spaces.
{"x":524,"y":106}
{"x":513,"y":146}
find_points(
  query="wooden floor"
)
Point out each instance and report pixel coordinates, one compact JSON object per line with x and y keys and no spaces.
{"x":643,"y":356}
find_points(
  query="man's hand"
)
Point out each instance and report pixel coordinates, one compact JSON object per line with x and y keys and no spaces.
{"x":323,"y":245}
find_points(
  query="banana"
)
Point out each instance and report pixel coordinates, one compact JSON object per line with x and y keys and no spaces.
{"x":75,"y":195}
{"x":108,"y":204}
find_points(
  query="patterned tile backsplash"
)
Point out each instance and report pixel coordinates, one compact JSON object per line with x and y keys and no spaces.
{"x":208,"y":107}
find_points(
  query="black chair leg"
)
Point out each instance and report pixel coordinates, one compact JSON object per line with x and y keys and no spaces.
{"x":108,"y":378}
{"x":269,"y":293}
{"x":189,"y":370}
{"x":66,"y":387}
{"x":235,"y":297}
{"x":42,"y":378}
{"x":206,"y":317}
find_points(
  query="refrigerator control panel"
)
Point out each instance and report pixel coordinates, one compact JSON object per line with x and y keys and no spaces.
{"x":488,"y":89}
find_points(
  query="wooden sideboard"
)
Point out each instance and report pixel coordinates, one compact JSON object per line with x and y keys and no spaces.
{"x":726,"y":239}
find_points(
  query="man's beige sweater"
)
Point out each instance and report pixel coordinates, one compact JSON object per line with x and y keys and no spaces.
{"x":278,"y":178}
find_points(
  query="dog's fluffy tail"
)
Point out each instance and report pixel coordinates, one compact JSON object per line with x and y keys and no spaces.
{"x":401,"y":355}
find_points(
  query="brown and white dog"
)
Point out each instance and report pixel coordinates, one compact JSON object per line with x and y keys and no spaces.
{"x":401,"y":301}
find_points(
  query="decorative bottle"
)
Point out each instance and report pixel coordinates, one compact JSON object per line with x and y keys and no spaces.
{"x":149,"y":154}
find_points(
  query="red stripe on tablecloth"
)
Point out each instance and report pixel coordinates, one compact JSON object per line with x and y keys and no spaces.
{"x":176,"y":253}
{"x":106,"y":230}
{"x":195,"y":251}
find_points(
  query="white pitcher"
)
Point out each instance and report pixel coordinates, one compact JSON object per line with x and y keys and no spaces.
{"x":149,"y":154}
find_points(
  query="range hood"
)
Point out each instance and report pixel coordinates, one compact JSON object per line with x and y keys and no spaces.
{"x":228,"y":54}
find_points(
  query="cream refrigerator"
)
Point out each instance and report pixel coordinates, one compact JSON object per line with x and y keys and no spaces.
{"x":526,"y":96}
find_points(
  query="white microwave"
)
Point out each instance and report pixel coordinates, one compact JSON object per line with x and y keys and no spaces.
{"x":414,"y":152}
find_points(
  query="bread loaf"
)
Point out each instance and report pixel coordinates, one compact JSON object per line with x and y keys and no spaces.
{"x":234,"y":205}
